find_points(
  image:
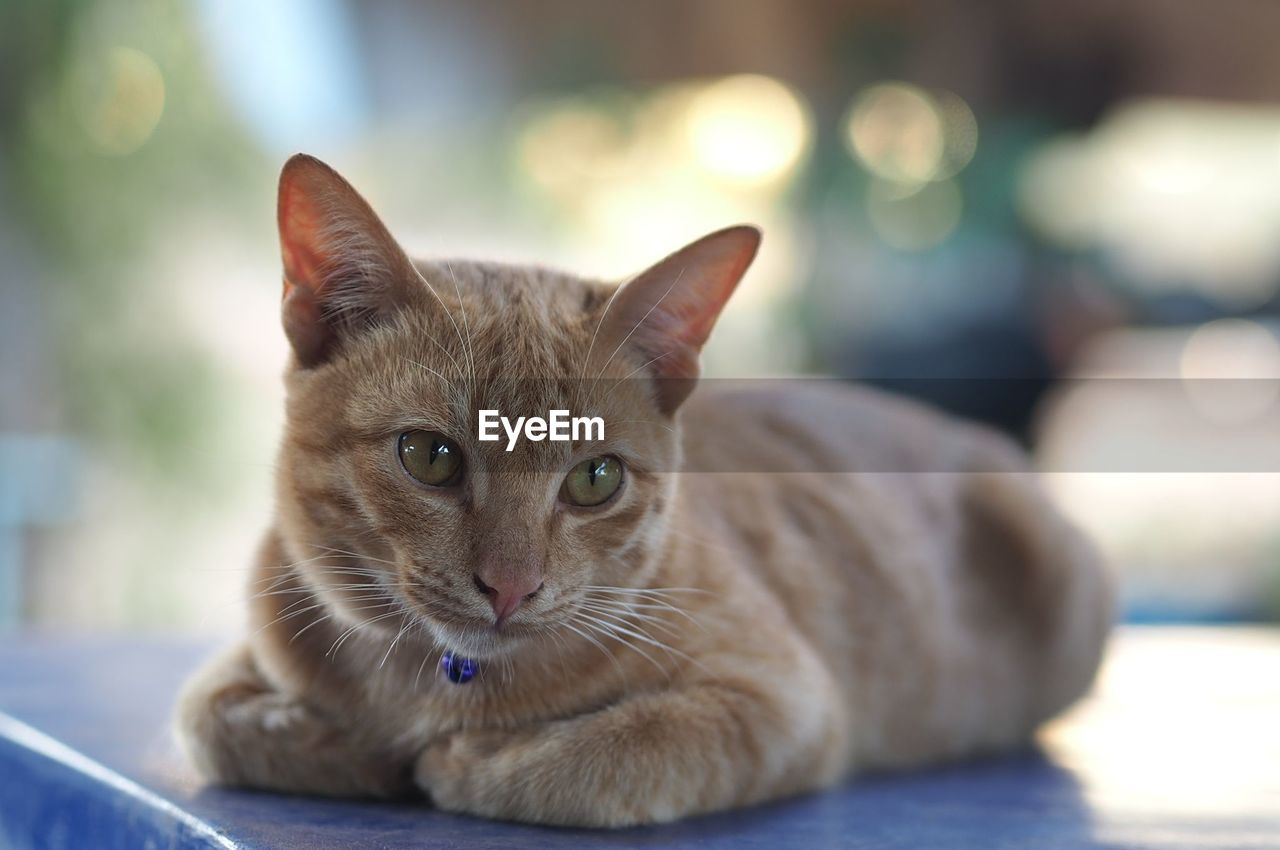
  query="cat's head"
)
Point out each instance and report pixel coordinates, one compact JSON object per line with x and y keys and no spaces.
{"x":384,"y":487}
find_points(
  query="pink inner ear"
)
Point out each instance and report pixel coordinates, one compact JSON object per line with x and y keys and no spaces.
{"x":299,"y":241}
{"x":667,"y":313}
{"x":694,"y":319}
{"x":706,"y":278}
{"x":673,"y":337}
{"x":341,"y":266}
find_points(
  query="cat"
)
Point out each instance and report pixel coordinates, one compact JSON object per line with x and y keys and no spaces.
{"x":582,"y":634}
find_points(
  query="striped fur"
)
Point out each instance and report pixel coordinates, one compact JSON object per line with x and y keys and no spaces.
{"x":764,"y":634}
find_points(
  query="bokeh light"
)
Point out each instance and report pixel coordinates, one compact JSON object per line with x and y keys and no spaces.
{"x":902,"y":133}
{"x":960,"y":133}
{"x":896,"y":132}
{"x":121,"y":102}
{"x":1122,"y":754}
{"x":1231,"y":370}
{"x":1172,"y":192}
{"x":914,"y":218}
{"x":748,"y":129}
{"x":570,"y":142}
{"x":886,"y":250}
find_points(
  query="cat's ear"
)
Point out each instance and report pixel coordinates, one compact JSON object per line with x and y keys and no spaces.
{"x":342,"y":268}
{"x":666,"y":313}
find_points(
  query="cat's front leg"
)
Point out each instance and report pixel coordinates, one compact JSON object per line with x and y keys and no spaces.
{"x":650,"y":758}
{"x":238,"y":730}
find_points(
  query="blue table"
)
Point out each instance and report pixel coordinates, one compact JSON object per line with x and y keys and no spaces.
{"x":1180,"y":748}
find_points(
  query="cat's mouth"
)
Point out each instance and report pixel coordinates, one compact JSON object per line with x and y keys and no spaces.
{"x":476,"y":638}
{"x":472,"y":636}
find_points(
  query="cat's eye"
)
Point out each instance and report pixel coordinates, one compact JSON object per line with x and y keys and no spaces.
{"x":430,"y":457}
{"x":592,"y":482}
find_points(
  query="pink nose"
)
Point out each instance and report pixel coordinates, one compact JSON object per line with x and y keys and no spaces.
{"x":507,"y":591}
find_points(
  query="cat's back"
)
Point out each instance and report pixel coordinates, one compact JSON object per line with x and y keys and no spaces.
{"x":896,"y":538}
{"x":826,"y":425}
{"x":825,"y":483}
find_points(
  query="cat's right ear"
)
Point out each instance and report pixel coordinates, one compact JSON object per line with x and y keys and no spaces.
{"x":342,"y":268}
{"x":665,"y":314}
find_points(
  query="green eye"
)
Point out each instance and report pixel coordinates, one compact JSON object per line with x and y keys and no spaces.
{"x":430,"y":457}
{"x":592,"y":482}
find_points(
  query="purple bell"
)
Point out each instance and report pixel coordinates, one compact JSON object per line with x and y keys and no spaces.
{"x":459,"y":670}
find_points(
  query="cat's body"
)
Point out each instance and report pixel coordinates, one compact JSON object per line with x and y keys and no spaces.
{"x":772,"y":631}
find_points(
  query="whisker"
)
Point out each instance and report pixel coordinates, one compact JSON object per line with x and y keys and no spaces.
{"x":448,"y":314}
{"x":645,"y":365}
{"x":650,"y":603}
{"x":617,"y":627}
{"x":625,"y":613}
{"x":663,"y":646}
{"x":304,"y":589}
{"x":342,"y":638}
{"x":314,"y":622}
{"x":470,"y":351}
{"x":366,"y":598}
{"x":615,"y":383}
{"x":447,"y":352}
{"x":665,"y":596}
{"x":290,"y":616}
{"x":603,"y":628}
{"x":289,"y":573}
{"x":571,"y":627}
{"x":639,"y":323}
{"x":283,"y":572}
{"x":644,"y":590}
{"x":560,"y":648}
{"x":425,"y":657}
{"x":251,"y":566}
{"x":392,"y":647}
{"x":292,"y":570}
{"x":453,"y":389}
{"x":586,"y":361}
{"x":351,"y":554}
{"x":263,"y":594}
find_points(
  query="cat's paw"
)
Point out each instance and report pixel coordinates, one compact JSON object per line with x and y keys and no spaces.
{"x":522,"y":775}
{"x":463,"y":771}
{"x":238,"y":730}
{"x":241,"y":732}
{"x":273,"y":715}
{"x":271,"y":740}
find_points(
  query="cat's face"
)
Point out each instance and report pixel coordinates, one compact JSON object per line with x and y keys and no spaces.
{"x":383,"y":479}
{"x":486,"y":515}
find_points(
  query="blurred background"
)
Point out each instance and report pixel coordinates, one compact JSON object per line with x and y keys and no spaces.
{"x":1060,"y":218}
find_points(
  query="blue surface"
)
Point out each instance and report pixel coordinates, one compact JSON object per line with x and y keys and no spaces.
{"x":86,"y":761}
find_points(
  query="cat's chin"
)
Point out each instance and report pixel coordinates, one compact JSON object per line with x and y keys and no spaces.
{"x":478,"y":641}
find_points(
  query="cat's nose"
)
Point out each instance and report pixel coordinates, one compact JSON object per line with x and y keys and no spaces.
{"x":506,"y":591}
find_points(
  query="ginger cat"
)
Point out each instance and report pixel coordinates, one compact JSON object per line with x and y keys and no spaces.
{"x":582,"y":634}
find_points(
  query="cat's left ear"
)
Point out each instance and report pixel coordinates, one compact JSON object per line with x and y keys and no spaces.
{"x":666,"y":314}
{"x":342,"y":268}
